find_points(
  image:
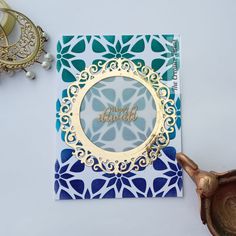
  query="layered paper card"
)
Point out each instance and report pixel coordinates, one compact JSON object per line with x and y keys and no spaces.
{"x":118,"y":117}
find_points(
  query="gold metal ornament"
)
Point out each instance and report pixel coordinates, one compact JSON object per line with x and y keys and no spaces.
{"x":217,"y":193}
{"x":117,"y":162}
{"x":7,"y":21}
{"x":28,"y":48}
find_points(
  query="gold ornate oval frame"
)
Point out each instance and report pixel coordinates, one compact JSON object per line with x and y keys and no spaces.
{"x":117,"y":162}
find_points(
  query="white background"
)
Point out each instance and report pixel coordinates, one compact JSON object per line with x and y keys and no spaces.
{"x":27,"y":118}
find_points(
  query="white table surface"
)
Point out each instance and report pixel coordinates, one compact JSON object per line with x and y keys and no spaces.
{"x":27,"y":118}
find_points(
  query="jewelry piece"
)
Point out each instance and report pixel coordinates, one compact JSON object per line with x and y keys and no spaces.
{"x":7,"y":22}
{"x":27,"y":50}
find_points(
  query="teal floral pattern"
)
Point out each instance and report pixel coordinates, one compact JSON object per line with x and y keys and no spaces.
{"x":172,"y":58}
{"x":119,"y":48}
{"x":162,"y":51}
{"x":119,"y":135}
{"x":66,"y":58}
{"x":178,"y":113}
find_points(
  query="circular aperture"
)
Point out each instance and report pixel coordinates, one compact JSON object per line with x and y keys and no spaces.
{"x":118,"y":114}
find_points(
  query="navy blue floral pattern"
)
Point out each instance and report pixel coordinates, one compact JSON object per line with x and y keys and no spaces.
{"x":172,"y":171}
{"x":70,"y":183}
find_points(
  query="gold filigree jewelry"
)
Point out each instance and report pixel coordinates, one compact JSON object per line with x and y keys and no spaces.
{"x":7,"y":21}
{"x":117,"y":162}
{"x":27,"y":50}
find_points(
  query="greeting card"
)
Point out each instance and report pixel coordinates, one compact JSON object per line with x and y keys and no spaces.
{"x":118,"y":117}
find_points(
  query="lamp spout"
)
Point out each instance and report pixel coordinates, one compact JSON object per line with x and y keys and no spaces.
{"x":206,"y":182}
